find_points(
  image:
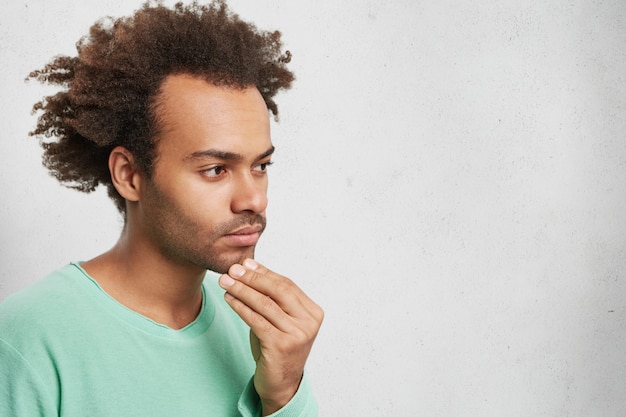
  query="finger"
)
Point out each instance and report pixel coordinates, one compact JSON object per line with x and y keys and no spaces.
{"x":257,"y":302}
{"x":281,"y":289}
{"x":314,"y":309}
{"x":258,"y":323}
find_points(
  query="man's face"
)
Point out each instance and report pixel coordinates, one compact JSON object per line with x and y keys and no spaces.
{"x":205,"y":204}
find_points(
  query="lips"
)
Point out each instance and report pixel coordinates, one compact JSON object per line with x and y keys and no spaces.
{"x":245,"y":236}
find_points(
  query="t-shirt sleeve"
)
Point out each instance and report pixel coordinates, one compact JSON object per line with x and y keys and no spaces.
{"x":302,"y":404}
{"x":22,"y":393}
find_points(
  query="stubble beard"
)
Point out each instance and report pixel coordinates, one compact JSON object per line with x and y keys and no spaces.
{"x":214,"y":259}
{"x":203,"y":250}
{"x":185,"y":241}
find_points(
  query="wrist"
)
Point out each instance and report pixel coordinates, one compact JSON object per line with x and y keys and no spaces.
{"x":273,"y":401}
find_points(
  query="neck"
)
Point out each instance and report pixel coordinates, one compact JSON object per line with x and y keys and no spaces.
{"x":148,"y":283}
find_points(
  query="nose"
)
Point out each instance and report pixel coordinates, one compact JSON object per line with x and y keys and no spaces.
{"x":249,"y":194}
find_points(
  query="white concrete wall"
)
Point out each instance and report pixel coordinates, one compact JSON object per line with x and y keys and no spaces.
{"x":450,"y":186}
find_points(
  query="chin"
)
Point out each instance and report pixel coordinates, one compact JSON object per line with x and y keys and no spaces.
{"x":224,"y":262}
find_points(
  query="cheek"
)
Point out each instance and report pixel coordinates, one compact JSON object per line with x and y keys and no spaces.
{"x":207,"y":205}
{"x":198,"y":200}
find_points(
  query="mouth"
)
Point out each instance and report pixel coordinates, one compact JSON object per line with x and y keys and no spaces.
{"x":246,"y":236}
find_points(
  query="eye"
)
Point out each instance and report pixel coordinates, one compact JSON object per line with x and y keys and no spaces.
{"x":214,"y":172}
{"x":262,"y":167}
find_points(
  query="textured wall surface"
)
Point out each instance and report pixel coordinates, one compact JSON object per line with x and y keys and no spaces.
{"x":449,"y":185}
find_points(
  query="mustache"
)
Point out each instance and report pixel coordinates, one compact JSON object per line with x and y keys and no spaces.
{"x":242,"y":221}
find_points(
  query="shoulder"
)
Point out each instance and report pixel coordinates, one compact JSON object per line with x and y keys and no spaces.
{"x":57,"y":285}
{"x":34,"y":309}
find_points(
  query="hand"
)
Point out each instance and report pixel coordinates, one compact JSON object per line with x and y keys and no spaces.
{"x":283,"y":324}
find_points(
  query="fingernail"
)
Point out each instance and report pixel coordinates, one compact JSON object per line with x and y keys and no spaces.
{"x":229,"y":296}
{"x":237,"y":271}
{"x":226,"y":281}
{"x":250,"y":264}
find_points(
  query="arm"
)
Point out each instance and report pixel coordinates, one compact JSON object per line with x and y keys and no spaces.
{"x":284,"y":323}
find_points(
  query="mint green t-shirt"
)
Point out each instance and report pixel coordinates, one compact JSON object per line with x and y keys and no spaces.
{"x":67,"y":349}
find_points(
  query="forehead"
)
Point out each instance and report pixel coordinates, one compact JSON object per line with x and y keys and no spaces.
{"x":195,"y":115}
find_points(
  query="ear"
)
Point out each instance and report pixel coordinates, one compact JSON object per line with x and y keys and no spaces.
{"x":124,"y":173}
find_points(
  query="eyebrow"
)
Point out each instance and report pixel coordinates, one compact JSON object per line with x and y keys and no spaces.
{"x":228,"y":156}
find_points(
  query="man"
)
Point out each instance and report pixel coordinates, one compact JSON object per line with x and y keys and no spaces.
{"x":169,"y":110}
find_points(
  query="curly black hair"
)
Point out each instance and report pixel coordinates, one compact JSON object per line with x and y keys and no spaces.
{"x":109,"y":91}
